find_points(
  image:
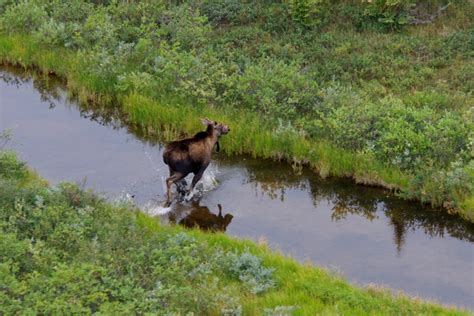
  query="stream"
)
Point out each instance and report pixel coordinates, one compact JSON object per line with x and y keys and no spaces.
{"x":365,"y":234}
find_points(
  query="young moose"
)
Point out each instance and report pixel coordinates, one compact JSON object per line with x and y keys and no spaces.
{"x":192,"y":155}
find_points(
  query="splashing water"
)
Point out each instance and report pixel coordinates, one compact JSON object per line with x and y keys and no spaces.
{"x":123,"y":197}
{"x":158,"y":210}
{"x":207,"y":183}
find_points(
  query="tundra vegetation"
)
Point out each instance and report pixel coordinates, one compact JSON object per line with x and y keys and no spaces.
{"x":65,"y":250}
{"x":380,"y":91}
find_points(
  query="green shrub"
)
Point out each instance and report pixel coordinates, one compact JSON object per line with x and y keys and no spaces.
{"x":99,"y":30}
{"x":305,"y":12}
{"x":69,"y":11}
{"x":186,"y":27}
{"x":54,"y":33}
{"x":11,"y":168}
{"x":389,"y":14}
{"x":23,"y":17}
{"x":248,"y":268}
{"x":273,"y":88}
{"x":223,"y":11}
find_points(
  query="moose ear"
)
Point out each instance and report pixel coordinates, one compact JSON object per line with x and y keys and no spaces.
{"x":206,"y":121}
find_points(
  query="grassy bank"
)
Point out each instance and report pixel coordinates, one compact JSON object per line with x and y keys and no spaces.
{"x":394,"y":114}
{"x":66,"y":250}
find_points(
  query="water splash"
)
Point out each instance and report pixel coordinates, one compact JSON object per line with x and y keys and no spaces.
{"x":209,"y":180}
{"x":158,"y":210}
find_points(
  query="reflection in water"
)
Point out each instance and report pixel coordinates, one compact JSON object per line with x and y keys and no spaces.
{"x":195,"y":215}
{"x":350,"y":199}
{"x":49,"y":87}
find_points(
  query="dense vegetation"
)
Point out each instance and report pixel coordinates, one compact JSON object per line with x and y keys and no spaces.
{"x":67,"y":251}
{"x":380,"y":91}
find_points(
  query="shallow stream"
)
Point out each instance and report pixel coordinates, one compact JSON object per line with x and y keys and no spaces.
{"x":366,"y":234}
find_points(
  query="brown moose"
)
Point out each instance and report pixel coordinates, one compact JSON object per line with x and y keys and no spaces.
{"x":192,"y":155}
{"x":200,"y":216}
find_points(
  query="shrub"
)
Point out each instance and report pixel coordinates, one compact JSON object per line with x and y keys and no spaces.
{"x":186,"y":27}
{"x":386,"y":14}
{"x":99,"y":30}
{"x":54,"y":33}
{"x":305,"y":12}
{"x":273,"y":88}
{"x":11,"y":168}
{"x":249,"y":269}
{"x":223,"y":11}
{"x":23,"y":17}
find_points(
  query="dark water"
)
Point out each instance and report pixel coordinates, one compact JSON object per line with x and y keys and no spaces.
{"x":364,"y":233}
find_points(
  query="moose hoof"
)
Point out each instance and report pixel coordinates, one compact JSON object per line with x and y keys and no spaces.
{"x":181,"y":187}
{"x":188,"y":197}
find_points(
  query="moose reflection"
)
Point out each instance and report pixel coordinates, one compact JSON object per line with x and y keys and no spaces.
{"x":196,"y":215}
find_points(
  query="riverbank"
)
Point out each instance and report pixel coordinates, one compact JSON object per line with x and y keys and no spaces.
{"x":169,"y":118}
{"x":63,"y":244}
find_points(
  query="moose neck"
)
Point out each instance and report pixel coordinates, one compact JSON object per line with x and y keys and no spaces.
{"x":212,"y":136}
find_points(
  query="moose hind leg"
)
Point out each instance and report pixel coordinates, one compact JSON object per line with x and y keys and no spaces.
{"x":169,"y":182}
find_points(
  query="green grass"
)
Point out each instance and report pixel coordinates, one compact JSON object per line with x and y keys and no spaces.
{"x":64,"y":250}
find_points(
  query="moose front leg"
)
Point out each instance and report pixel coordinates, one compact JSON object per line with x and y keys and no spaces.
{"x":181,"y":186}
{"x":197,"y":177}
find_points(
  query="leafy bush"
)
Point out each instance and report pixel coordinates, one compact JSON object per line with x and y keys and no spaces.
{"x":23,"y":17}
{"x":187,"y":27}
{"x":11,"y":168}
{"x":223,"y":11}
{"x":54,"y":33}
{"x":248,"y":268}
{"x":274,"y":88}
{"x":389,"y":14}
{"x":304,"y":12}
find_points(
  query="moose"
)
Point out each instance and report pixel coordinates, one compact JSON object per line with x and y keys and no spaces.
{"x":200,"y":216}
{"x":192,"y":155}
